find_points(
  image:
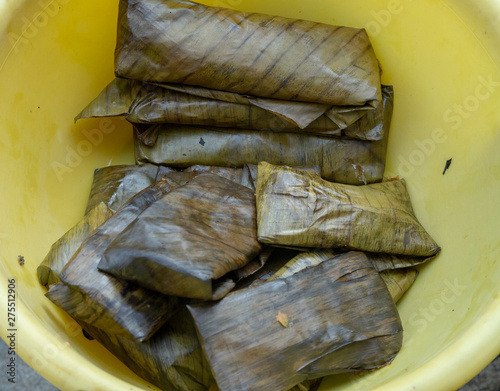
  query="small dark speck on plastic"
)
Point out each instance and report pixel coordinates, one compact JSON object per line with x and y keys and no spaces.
{"x":20,"y":258}
{"x":202,"y":142}
{"x":448,"y":164}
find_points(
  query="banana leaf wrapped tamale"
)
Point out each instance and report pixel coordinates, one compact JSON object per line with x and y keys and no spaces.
{"x":381,"y":262}
{"x":339,"y":317}
{"x":103,"y":301}
{"x":115,"y":185}
{"x":111,"y":188}
{"x":298,"y":208}
{"x":172,"y":359}
{"x":398,"y":281}
{"x":179,"y":41}
{"x":188,"y":239}
{"x":342,"y":160}
{"x":175,"y":105}
{"x":62,"y":250}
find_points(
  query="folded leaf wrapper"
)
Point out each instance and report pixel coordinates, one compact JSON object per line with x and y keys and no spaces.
{"x":398,"y":281}
{"x":381,"y":262}
{"x":146,"y":103}
{"x":189,"y":238}
{"x":248,"y":53}
{"x":115,"y":185}
{"x":297,"y":208}
{"x":62,"y":250}
{"x":103,"y":301}
{"x":172,"y":359}
{"x":340,"y":318}
{"x":341,"y":160}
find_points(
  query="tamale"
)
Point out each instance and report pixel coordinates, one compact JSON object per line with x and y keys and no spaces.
{"x":341,"y":160}
{"x":307,"y":385}
{"x":381,"y":262}
{"x":103,"y":301}
{"x":398,"y":281}
{"x":115,"y":185}
{"x":341,"y":318}
{"x":247,"y":176}
{"x":298,"y":208}
{"x":62,"y":250}
{"x":171,"y":104}
{"x":180,"y":41}
{"x":171,"y":360}
{"x":191,"y":237}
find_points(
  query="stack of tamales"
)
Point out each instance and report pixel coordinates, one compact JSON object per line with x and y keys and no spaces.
{"x":213,"y":86}
{"x":252,"y":247}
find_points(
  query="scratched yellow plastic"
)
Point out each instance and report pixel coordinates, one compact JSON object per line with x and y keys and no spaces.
{"x":442,"y":58}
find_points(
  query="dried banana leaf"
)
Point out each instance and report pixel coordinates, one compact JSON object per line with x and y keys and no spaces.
{"x":115,"y":185}
{"x":246,"y":176}
{"x":101,"y":300}
{"x":62,"y":250}
{"x":340,"y":318}
{"x":341,"y":160}
{"x":381,"y":262}
{"x":172,"y":359}
{"x":308,"y":385}
{"x":297,"y":208}
{"x":249,"y":53}
{"x":188,"y":239}
{"x":173,"y":104}
{"x":398,"y":281}
{"x":114,"y":100}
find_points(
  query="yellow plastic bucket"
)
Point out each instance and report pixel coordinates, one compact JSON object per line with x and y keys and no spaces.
{"x":441,"y":56}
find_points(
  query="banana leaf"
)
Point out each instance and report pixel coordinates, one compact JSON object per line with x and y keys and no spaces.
{"x":341,"y":318}
{"x":62,"y":250}
{"x":103,"y":301}
{"x":180,"y":41}
{"x":341,"y":160}
{"x":398,"y":281}
{"x":170,"y":104}
{"x":307,"y":385}
{"x":171,"y":360}
{"x":247,"y":176}
{"x":298,"y":208}
{"x":381,"y":262}
{"x":187,"y":240}
{"x":115,"y":185}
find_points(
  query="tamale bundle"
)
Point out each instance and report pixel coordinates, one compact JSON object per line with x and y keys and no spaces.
{"x":111,"y":188}
{"x":115,"y":185}
{"x":103,"y":301}
{"x":341,"y":160}
{"x":179,"y":41}
{"x":62,"y":250}
{"x":298,"y":208}
{"x":346,"y":161}
{"x":188,"y":239}
{"x":398,"y":281}
{"x":334,"y":317}
{"x":172,"y":359}
{"x":381,"y":262}
{"x":174,"y":104}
